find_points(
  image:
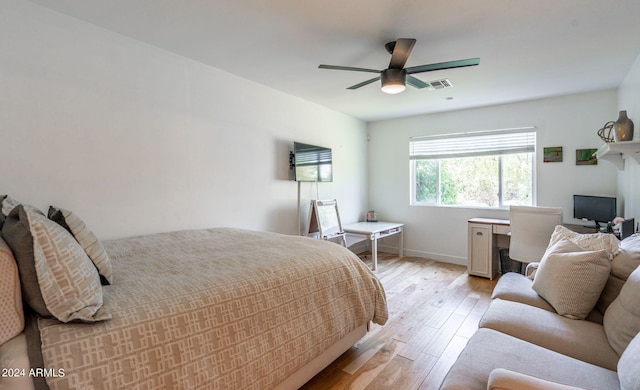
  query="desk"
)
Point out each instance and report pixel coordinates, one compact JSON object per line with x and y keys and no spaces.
{"x":487,"y":236}
{"x":375,"y":230}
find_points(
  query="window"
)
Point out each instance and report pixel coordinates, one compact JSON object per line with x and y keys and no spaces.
{"x":480,"y":169}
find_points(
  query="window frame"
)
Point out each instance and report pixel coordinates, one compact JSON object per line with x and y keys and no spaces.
{"x":531,"y":139}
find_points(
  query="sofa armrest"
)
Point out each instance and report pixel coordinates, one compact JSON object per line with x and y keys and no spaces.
{"x":503,"y":379}
{"x":531,"y":269}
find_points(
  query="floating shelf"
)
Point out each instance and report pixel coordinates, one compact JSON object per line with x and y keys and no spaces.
{"x":615,"y":151}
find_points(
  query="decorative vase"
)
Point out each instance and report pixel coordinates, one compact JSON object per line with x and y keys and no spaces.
{"x":623,"y":128}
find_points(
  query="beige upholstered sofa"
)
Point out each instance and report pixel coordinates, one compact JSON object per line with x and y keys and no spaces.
{"x":523,"y":341}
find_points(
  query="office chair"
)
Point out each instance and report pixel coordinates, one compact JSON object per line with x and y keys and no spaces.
{"x":531,"y":229}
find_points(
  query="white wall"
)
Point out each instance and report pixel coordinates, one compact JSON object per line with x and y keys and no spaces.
{"x":629,"y":179}
{"x":138,"y":140}
{"x":440,"y":233}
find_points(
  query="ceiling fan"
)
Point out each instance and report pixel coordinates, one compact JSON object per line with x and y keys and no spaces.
{"x":396,"y":76}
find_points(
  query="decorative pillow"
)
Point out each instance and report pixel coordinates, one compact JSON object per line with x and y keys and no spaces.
{"x":7,"y":204}
{"x":590,"y":242}
{"x":11,"y":314}
{"x":87,"y":240}
{"x":629,"y":365}
{"x":628,"y":259}
{"x":625,"y":262}
{"x":571,"y":279}
{"x":58,"y":279}
{"x":622,"y":318}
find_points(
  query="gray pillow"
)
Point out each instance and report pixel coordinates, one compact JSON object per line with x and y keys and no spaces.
{"x":58,"y":279}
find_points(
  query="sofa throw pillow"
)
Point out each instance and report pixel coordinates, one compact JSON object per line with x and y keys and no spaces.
{"x":11,"y":314}
{"x":590,"y":242}
{"x":7,"y":204}
{"x":622,"y":318}
{"x":571,"y":279}
{"x":629,"y":365}
{"x":87,"y":240}
{"x":628,"y":259}
{"x":57,"y":277}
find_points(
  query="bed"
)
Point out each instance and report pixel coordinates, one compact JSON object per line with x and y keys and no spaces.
{"x":212,"y":308}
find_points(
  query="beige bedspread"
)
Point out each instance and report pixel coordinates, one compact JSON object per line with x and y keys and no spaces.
{"x":218,"y":308}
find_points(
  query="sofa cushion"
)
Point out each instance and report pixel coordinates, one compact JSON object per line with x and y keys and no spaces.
{"x":571,"y":279}
{"x":11,"y":314}
{"x":87,"y":240}
{"x":488,"y":349}
{"x":629,"y":365}
{"x":622,"y":319}
{"x":517,"y":288}
{"x":609,"y":293}
{"x":583,"y":340}
{"x":591,"y":242}
{"x":57,"y":277}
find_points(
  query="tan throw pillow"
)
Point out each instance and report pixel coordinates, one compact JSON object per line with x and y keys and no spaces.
{"x":590,"y":242}
{"x":11,"y":314}
{"x":58,"y":279}
{"x":571,"y":279}
{"x":625,"y":262}
{"x":628,"y":259}
{"x":622,"y":318}
{"x":629,"y":366}
{"x":87,"y":240}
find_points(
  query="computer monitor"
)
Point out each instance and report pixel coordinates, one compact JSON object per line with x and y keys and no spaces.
{"x":594,"y":208}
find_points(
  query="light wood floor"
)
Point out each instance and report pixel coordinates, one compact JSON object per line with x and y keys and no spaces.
{"x":433,"y":310}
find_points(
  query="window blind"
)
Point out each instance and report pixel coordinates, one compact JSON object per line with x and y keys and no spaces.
{"x":482,"y":143}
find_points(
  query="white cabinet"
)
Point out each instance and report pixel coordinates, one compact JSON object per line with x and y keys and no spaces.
{"x":480,"y":250}
{"x":486,"y":236}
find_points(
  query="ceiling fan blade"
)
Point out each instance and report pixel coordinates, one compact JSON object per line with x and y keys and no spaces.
{"x":336,"y":67}
{"x":414,"y":82}
{"x":443,"y":65}
{"x":362,"y":84}
{"x":401,"y":52}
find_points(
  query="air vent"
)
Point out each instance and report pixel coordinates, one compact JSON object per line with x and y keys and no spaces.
{"x":439,"y":84}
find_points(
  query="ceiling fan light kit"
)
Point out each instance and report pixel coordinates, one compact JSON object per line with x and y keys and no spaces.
{"x":393,"y":80}
{"x":396,"y":76}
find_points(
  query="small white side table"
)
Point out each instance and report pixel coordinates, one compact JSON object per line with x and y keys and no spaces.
{"x":375,"y":230}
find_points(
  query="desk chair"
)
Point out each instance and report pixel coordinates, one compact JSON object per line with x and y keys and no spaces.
{"x":531,"y":229}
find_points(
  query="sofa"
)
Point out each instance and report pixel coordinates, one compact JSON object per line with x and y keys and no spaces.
{"x":573,"y":323}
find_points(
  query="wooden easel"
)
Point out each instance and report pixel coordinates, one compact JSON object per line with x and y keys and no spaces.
{"x":324,"y":221}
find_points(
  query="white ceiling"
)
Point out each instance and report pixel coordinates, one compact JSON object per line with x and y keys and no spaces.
{"x":528,"y":49}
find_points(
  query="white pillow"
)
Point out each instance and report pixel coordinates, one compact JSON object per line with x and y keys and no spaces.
{"x":591,"y":242}
{"x":571,"y":279}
